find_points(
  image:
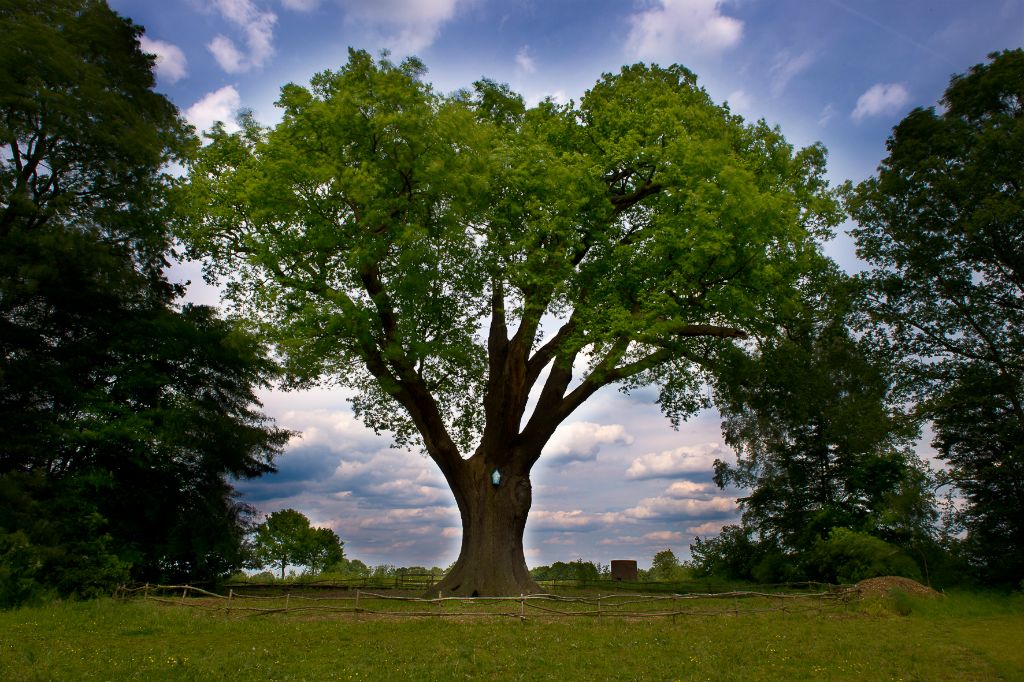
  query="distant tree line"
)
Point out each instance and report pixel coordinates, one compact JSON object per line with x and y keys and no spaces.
{"x":578,"y":570}
{"x":665,"y":567}
{"x":286,"y":538}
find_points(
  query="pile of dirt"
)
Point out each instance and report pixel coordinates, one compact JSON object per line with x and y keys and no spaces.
{"x":885,"y":585}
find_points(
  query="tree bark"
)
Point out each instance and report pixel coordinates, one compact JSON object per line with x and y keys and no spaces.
{"x":491,"y":561}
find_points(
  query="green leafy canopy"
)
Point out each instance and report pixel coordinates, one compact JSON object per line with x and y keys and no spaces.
{"x":286,"y":538}
{"x":386,"y":237}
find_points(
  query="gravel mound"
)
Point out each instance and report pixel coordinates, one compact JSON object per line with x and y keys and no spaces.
{"x":885,"y":585}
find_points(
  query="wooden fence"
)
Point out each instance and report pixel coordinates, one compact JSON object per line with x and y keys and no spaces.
{"x":424,"y":582}
{"x":358,"y":603}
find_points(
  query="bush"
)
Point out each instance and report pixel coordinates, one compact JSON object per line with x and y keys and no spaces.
{"x":848,"y":556}
{"x":579,"y":570}
{"x":32,"y":573}
{"x":735,"y":555}
{"x":775,"y":567}
{"x":53,"y":544}
{"x":665,"y":567}
{"x":347,"y":568}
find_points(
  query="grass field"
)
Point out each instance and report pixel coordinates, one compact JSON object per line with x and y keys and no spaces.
{"x":959,"y":637}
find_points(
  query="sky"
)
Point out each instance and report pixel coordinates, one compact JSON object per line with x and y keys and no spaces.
{"x":616,"y":481}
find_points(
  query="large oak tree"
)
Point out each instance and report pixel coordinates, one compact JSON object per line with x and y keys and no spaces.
{"x":459,"y":259}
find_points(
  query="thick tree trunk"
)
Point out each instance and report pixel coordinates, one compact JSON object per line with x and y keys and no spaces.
{"x":491,"y":562}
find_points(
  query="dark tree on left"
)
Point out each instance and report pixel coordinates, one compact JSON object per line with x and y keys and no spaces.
{"x":121,"y":413}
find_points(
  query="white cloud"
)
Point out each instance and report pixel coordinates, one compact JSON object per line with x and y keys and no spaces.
{"x":300,"y":5}
{"x":688,"y":459}
{"x":524,"y":61}
{"x":663,"y":536}
{"x":881,"y":98}
{"x":407,"y":25}
{"x":673,"y":27}
{"x":659,"y":537}
{"x":575,"y":520}
{"x":561,"y":540}
{"x":739,"y":101}
{"x":580,"y":441}
{"x":787,"y":67}
{"x":406,"y":491}
{"x":621,"y":540}
{"x":170,"y":60}
{"x":258,"y":28}
{"x":337,"y":430}
{"x":397,"y":519}
{"x":826,"y":115}
{"x":706,"y":528}
{"x":219,"y":105}
{"x":672,"y":509}
{"x":227,"y":55}
{"x":690,"y":489}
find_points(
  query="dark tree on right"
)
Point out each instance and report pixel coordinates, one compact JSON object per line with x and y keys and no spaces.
{"x":942,"y":226}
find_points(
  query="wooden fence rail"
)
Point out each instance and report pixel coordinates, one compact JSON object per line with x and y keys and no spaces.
{"x":617,"y":605}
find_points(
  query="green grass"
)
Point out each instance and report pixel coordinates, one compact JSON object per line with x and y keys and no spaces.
{"x":960,"y":637}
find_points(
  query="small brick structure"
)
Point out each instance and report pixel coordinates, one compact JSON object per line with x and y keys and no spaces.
{"x":624,"y":570}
